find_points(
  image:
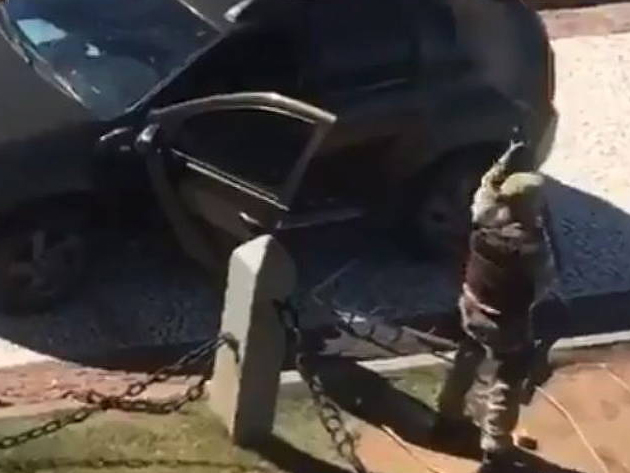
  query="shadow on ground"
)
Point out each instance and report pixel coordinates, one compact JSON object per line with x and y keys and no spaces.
{"x":144,"y":304}
{"x":375,"y":401}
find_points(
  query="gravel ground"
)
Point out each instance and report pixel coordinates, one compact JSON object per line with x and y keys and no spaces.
{"x":591,"y":197}
{"x":142,"y":292}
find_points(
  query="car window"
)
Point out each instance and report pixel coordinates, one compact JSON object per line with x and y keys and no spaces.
{"x":379,"y":50}
{"x":110,"y":52}
{"x":257,"y":146}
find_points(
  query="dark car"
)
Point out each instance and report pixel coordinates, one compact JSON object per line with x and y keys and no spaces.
{"x":258,"y":115}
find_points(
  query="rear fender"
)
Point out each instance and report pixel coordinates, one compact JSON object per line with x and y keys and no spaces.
{"x":494,"y":72}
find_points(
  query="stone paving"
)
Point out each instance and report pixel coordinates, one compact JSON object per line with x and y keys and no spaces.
{"x":602,"y":415}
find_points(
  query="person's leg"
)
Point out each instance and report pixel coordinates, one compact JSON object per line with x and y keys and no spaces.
{"x":459,"y":380}
{"x":503,"y":401}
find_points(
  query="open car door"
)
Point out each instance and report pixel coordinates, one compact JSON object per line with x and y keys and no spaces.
{"x":236,"y":160}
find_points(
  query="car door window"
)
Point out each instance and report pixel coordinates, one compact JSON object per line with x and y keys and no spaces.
{"x":256,"y":146}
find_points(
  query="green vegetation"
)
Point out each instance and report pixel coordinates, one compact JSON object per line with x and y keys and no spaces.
{"x":191,"y":440}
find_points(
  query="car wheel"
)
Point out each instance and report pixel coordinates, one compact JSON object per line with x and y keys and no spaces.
{"x":40,"y":265}
{"x":439,"y":220}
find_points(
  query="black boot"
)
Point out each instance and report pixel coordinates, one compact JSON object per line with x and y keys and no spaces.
{"x":497,"y":462}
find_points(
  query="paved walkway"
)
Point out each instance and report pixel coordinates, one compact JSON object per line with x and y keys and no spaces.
{"x":597,"y":399}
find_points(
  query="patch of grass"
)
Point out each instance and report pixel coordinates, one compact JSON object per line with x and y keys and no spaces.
{"x":297,"y":422}
{"x":421,"y":383}
{"x":192,"y":441}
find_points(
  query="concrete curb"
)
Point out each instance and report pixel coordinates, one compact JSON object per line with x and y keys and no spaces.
{"x":291,"y":382}
{"x":16,"y":356}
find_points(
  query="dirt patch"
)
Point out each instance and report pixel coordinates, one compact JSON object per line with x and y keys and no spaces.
{"x":38,"y":383}
{"x":588,"y":21}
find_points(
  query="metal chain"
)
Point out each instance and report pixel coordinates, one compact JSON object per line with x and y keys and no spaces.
{"x":328,"y":411}
{"x":160,"y":376}
{"x":435,"y":345}
{"x":98,"y":402}
{"x":48,"y":428}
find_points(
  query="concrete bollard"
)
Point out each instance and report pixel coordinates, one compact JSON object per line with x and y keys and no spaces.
{"x":245,"y":384}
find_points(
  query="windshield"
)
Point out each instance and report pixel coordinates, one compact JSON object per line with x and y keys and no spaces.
{"x":110,"y":52}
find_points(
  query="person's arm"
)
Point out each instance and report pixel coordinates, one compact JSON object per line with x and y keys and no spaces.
{"x":485,"y":206}
{"x":499,"y":171}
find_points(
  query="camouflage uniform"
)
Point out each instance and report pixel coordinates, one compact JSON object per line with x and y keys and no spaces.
{"x":510,"y":267}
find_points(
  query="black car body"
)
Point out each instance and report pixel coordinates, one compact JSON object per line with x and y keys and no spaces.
{"x":346,"y":103}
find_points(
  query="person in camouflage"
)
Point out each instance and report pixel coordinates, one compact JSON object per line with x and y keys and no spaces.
{"x":509,"y":269}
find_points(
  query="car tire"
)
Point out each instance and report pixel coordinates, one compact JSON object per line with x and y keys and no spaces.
{"x":42,"y":261}
{"x":438,"y":220}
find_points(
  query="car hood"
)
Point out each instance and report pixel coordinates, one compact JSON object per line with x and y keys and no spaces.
{"x":30,"y":105}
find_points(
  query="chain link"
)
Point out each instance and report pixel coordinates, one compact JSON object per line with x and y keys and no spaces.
{"x":328,"y":411}
{"x":48,"y":428}
{"x":99,"y":402}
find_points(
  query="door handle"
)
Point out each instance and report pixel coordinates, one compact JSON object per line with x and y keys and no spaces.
{"x":146,"y":140}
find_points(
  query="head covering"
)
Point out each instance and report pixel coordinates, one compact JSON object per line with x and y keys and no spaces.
{"x":522,"y":193}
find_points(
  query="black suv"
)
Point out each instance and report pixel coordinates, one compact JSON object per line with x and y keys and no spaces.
{"x":256,"y":115}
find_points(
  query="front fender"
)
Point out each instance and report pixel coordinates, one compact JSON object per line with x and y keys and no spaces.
{"x":37,"y":170}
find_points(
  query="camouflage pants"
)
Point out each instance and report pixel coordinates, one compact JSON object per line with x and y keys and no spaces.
{"x":506,"y":354}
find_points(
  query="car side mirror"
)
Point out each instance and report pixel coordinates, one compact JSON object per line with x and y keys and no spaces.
{"x":146,"y":142}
